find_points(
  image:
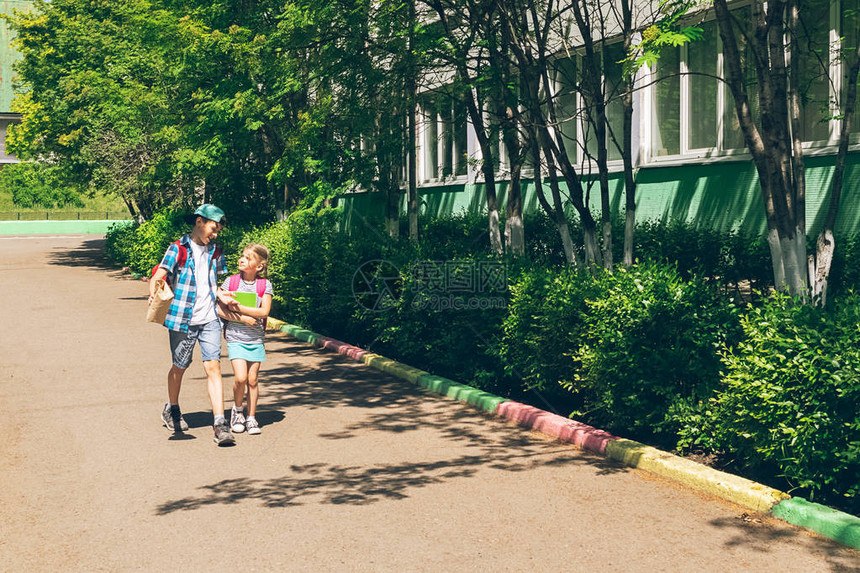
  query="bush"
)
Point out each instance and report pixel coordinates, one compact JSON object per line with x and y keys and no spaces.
{"x":650,"y":358}
{"x":118,"y":241}
{"x":544,"y":326}
{"x":639,"y":348}
{"x":789,"y":401}
{"x":438,"y":327}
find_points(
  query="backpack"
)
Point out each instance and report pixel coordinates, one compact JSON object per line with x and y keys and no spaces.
{"x":233,"y":286}
{"x":182,"y":258}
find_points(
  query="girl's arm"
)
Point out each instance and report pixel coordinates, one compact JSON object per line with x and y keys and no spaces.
{"x":260,"y":312}
{"x":230,"y":315}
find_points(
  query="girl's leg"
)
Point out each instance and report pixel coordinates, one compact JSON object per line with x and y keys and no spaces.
{"x":240,"y":380}
{"x":253,"y":389}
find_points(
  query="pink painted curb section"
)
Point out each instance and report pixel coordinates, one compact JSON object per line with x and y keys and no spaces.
{"x":341,"y":348}
{"x":564,"y":429}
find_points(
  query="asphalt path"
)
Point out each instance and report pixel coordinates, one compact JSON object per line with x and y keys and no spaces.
{"x":354,"y":470}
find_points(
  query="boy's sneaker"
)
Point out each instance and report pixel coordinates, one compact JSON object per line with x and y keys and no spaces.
{"x":168,"y":415}
{"x":237,"y":421}
{"x":252,"y":426}
{"x":223,"y":437}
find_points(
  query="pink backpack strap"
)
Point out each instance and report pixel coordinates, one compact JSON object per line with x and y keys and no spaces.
{"x":233,"y":286}
{"x":261,"y":290}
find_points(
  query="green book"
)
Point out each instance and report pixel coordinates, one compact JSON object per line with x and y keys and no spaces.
{"x":248,"y":299}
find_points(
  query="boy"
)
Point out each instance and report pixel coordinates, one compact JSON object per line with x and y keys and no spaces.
{"x":192,"y":316}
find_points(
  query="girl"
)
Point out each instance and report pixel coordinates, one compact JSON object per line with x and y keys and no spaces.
{"x":245,"y":330}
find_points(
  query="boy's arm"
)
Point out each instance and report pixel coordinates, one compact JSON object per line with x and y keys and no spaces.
{"x":260,"y":312}
{"x":167,"y":264}
{"x":160,"y":274}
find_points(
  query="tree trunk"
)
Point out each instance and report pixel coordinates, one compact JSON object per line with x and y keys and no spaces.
{"x":627,"y":142}
{"x":826,"y":243}
{"x":412,"y":203}
{"x":557,"y":217}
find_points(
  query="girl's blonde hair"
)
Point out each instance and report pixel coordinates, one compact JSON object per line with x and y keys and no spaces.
{"x":262,"y":254}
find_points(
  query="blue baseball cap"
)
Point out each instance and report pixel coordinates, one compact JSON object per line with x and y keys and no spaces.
{"x":207,"y":211}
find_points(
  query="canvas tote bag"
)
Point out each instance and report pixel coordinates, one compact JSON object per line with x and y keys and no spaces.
{"x":157,"y":311}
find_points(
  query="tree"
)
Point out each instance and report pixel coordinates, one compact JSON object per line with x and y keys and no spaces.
{"x":463,"y":51}
{"x":770,"y":60}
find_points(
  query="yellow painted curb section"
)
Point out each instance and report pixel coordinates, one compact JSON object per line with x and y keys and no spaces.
{"x":393,"y":367}
{"x":370,"y":359}
{"x":733,"y":488}
{"x":274,"y":324}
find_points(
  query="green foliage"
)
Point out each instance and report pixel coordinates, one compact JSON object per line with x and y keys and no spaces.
{"x":545,"y":325}
{"x":639,"y":348}
{"x":118,"y":242}
{"x":35,"y":185}
{"x":788,"y":405}
{"x":726,"y":258}
{"x":448,"y":331}
{"x":141,"y":247}
{"x":650,"y":354}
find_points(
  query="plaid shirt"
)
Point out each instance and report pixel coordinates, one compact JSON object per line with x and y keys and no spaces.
{"x":184,"y":283}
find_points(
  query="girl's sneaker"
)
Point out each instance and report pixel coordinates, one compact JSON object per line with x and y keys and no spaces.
{"x":252,"y":426}
{"x":237,"y":421}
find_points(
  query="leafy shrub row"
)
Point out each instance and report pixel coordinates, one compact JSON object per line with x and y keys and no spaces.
{"x":657,"y":352}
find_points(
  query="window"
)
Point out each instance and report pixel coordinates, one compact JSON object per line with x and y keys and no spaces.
{"x":692,"y":110}
{"x":849,"y":26}
{"x":814,"y":74}
{"x":703,"y":85}
{"x":613,"y":82}
{"x":566,"y":105}
{"x":443,"y":139}
{"x":611,"y":76}
{"x":665,"y":110}
{"x":429,"y":142}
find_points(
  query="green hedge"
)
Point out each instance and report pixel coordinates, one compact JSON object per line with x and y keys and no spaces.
{"x":789,"y":401}
{"x":639,"y":351}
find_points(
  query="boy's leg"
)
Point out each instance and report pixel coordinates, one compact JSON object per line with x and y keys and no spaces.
{"x":214,"y":386}
{"x":181,"y":349}
{"x":174,"y":383}
{"x":210,"y":348}
{"x":253,"y":388}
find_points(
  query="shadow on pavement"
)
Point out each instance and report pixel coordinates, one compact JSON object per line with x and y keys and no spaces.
{"x":392,"y":406}
{"x":751,"y":531}
{"x":90,"y":253}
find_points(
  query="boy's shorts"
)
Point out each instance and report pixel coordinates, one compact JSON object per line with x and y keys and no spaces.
{"x":182,"y":343}
{"x":249,"y":352}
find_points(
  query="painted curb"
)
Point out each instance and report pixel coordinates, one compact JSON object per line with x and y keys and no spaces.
{"x":734,"y":488}
{"x":830,"y":523}
{"x":836,"y":525}
{"x":564,"y":429}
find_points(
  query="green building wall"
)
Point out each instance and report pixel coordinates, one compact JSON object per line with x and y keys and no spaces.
{"x":722,"y":196}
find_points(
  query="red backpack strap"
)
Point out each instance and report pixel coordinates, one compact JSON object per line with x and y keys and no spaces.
{"x":182,"y":257}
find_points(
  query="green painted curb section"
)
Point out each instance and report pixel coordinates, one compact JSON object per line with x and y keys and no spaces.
{"x":828,"y":522}
{"x":55,"y":227}
{"x":736,"y":489}
{"x":478,"y":398}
